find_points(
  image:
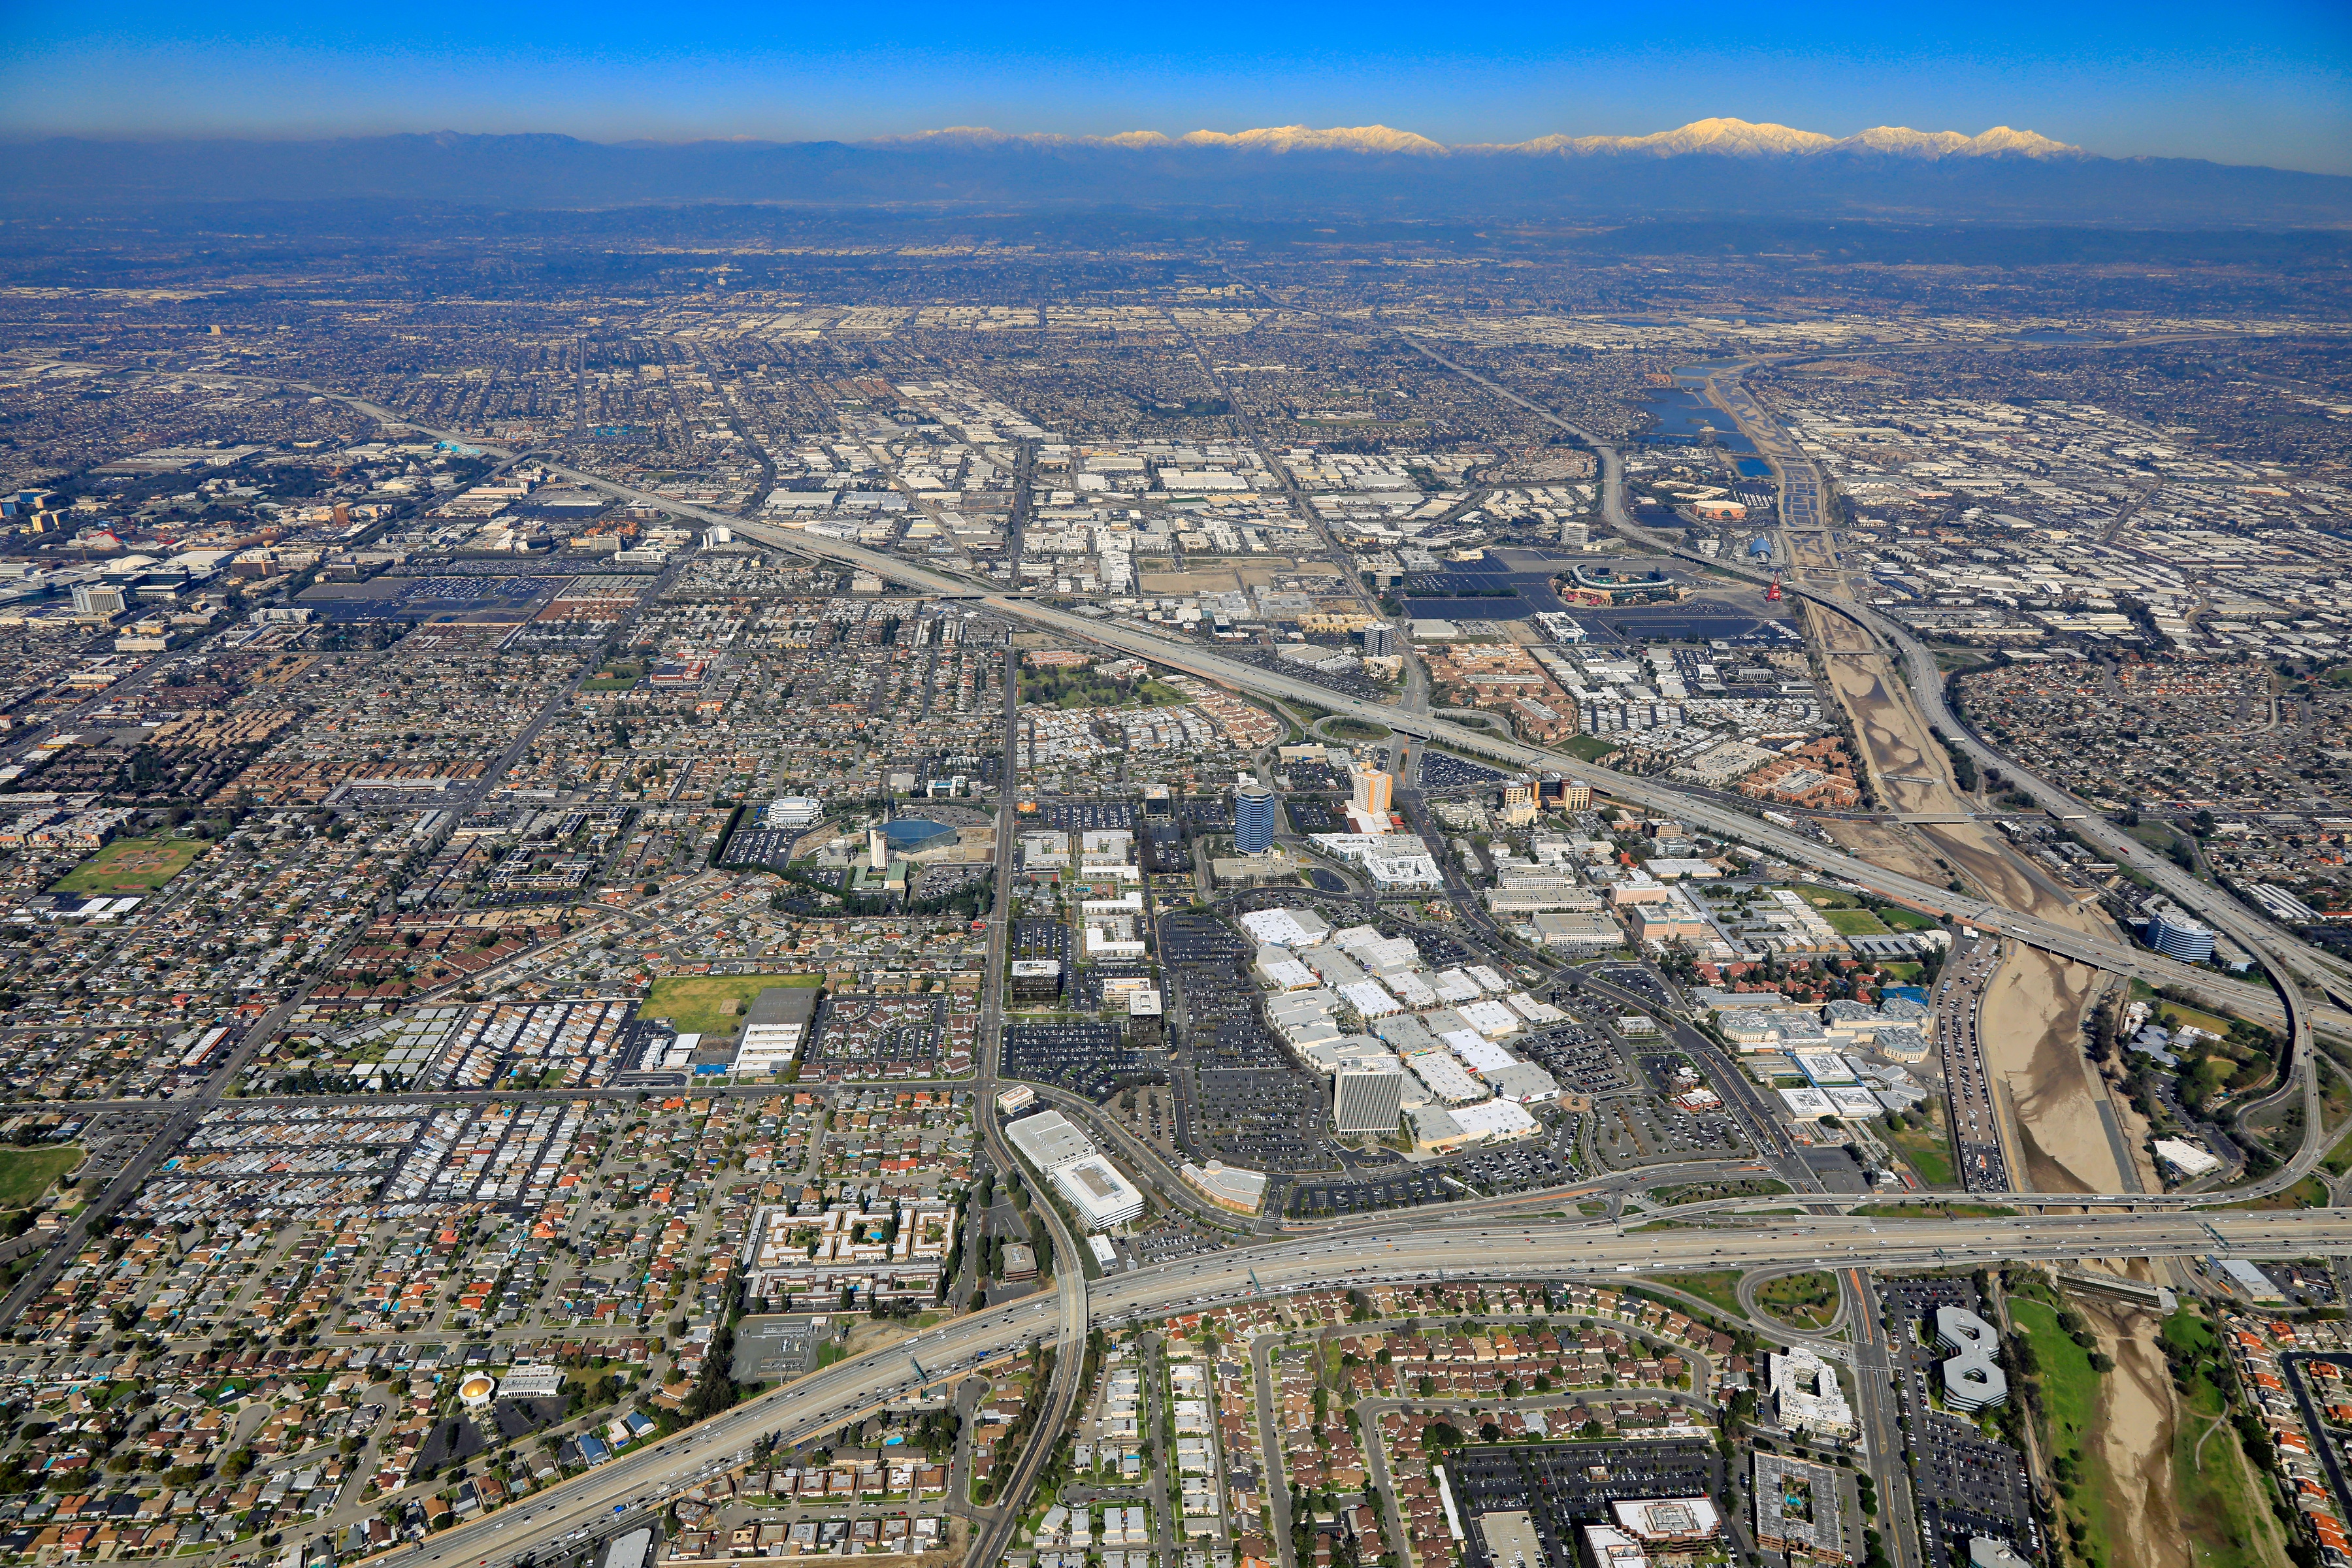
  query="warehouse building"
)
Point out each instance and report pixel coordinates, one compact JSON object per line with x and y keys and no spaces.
{"x":774,"y":1029}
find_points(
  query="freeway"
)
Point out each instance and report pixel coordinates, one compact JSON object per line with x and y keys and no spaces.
{"x":2288,"y":963}
{"x":1724,"y":821}
{"x":2284,"y":1008}
{"x":824,"y":1400}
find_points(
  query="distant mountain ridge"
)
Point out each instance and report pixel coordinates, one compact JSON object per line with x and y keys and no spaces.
{"x":1710,"y":168}
{"x":1725,"y":137}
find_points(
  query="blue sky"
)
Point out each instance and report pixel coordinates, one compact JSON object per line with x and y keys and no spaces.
{"x":2256,"y":82}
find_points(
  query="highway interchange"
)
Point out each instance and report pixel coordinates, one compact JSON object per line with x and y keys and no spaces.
{"x":1404,"y":1247}
{"x":617,"y":1492}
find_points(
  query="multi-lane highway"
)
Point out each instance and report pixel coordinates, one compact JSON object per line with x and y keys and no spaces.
{"x":2283,"y":1007}
{"x":1537,"y":1248}
{"x":2132,"y":1225}
{"x":1723,"y":820}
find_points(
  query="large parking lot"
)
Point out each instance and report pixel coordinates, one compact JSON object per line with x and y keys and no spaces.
{"x":1516,"y":1168}
{"x":1092,"y":1059}
{"x":1403,"y":1191}
{"x":1267,"y":1119}
{"x":1442,"y":771}
{"x":1078,"y":815}
{"x":1581,"y":1058}
{"x":1561,"y":1486}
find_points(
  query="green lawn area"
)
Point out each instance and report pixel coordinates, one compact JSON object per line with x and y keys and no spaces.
{"x":1720,"y":1287}
{"x":27,"y":1173}
{"x":617,"y":676}
{"x":705,"y":1004}
{"x":1808,"y":1300}
{"x":1931,"y":1211}
{"x":2070,"y":1408}
{"x":131,"y":865}
{"x":1907,"y":920}
{"x":1586,"y":748}
{"x":2339,"y":1158}
{"x":1929,"y":1148}
{"x":2172,"y":1014}
{"x":2224,"y":1508}
{"x":1822,"y":898}
{"x":1357,"y":730}
{"x":2310,"y":1192}
{"x":1855,"y":923}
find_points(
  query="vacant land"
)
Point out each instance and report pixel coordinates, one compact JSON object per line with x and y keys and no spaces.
{"x":1928,"y":1149}
{"x":2310,"y":1192}
{"x":705,"y":1004}
{"x":2224,"y":1505}
{"x":1807,"y":1301}
{"x":131,"y":865}
{"x":27,"y":1173}
{"x":1710,"y":1191}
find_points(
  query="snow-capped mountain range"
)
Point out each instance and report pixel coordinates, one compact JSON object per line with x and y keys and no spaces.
{"x":1720,"y":137}
{"x":1710,"y":168}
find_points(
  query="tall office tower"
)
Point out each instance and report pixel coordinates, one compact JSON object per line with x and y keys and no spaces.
{"x":1253,"y":819}
{"x":1372,"y":791}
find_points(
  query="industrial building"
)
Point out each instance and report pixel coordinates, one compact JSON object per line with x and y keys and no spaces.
{"x":1068,"y":1158}
{"x":793,"y":811}
{"x":774,"y":1029}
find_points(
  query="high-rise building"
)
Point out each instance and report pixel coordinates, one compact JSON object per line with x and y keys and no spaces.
{"x":1380,"y":639}
{"x":1370,"y":791}
{"x":2175,"y":935}
{"x":1253,"y":812}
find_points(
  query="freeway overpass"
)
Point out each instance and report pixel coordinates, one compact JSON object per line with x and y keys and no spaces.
{"x":1725,"y":822}
{"x":642,"y":1479}
{"x":2283,"y":1009}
